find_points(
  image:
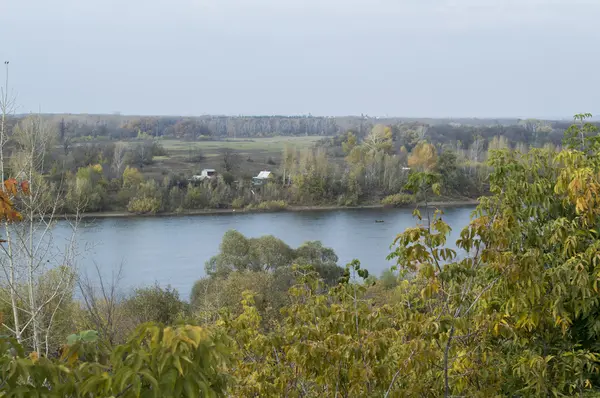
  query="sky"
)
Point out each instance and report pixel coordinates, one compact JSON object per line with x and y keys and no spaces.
{"x":411,"y":58}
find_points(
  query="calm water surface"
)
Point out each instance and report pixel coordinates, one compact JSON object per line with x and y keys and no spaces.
{"x":173,"y":250}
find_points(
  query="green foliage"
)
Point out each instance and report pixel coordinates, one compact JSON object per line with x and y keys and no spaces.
{"x":238,"y":253}
{"x":144,"y":205}
{"x":86,"y":336}
{"x":312,"y":176}
{"x":176,"y":198}
{"x":389,"y":279}
{"x":159,"y":150}
{"x":453,"y":179}
{"x":155,"y":362}
{"x":263,"y":265}
{"x":195,"y":198}
{"x":332,"y":344}
{"x":398,"y":200}
{"x":424,"y":184}
{"x":195,"y":156}
{"x":238,"y":203}
{"x":155,"y":304}
{"x":147,"y":199}
{"x":132,"y":178}
{"x":87,"y":189}
{"x":228,"y":178}
{"x":270,"y":205}
{"x":582,"y":133}
{"x":350,"y":142}
{"x":212,"y":295}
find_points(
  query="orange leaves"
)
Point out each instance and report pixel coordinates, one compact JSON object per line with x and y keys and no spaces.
{"x":7,"y":213}
{"x":25,"y":187}
{"x":11,"y":188}
{"x":34,"y":357}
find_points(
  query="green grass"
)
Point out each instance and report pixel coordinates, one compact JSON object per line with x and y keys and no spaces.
{"x":255,"y":154}
{"x":271,"y":144}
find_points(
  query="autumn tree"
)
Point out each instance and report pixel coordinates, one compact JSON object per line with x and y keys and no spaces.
{"x":423,"y":157}
{"x":379,"y":139}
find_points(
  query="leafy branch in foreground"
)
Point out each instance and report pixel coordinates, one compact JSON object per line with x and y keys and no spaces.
{"x":155,"y":362}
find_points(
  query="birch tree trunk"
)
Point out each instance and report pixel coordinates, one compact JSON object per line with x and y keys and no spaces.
{"x":7,"y":107}
{"x":29,"y":250}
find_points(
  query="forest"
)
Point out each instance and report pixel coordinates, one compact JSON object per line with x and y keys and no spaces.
{"x":119,"y":127}
{"x":514,"y":313}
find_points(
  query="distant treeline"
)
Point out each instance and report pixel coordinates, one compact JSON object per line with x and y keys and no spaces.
{"x":119,"y":127}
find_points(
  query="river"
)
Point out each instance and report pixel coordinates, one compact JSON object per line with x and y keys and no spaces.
{"x":173,"y":250}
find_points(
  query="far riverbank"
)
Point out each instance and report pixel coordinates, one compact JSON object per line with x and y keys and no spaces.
{"x":204,"y":212}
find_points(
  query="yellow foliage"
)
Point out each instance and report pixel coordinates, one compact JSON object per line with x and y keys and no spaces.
{"x":97,"y":168}
{"x":132,"y":177}
{"x":423,"y":157}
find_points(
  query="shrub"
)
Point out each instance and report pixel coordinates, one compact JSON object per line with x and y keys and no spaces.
{"x":195,"y":156}
{"x":228,"y":178}
{"x":195,"y":198}
{"x":271,"y":161}
{"x":143,"y":205}
{"x":347,"y":200}
{"x":398,"y":200}
{"x":159,"y":150}
{"x":132,"y":178}
{"x":176,"y":197}
{"x":238,"y":203}
{"x":270,"y":205}
{"x":190,"y":359}
{"x":155,"y":304}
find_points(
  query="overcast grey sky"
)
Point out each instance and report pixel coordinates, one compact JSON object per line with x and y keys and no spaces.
{"x":437,"y":58}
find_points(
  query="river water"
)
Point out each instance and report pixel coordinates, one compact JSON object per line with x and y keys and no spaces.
{"x":173,"y":250}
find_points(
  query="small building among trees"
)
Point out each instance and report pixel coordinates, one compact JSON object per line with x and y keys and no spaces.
{"x":206,"y":174}
{"x":262,"y":178}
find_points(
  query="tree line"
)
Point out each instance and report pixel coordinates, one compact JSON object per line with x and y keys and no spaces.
{"x":81,"y":128}
{"x":346,"y":170}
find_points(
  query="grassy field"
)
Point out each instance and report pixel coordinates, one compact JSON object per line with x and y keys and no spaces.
{"x":255,"y":154}
{"x":270,"y":145}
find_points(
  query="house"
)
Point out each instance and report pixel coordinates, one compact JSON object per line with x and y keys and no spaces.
{"x":262,"y":178}
{"x":206,"y":174}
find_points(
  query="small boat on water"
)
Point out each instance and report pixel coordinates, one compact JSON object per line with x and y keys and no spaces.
{"x":378,"y":221}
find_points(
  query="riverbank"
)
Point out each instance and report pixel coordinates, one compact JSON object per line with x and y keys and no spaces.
{"x":207,"y":212}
